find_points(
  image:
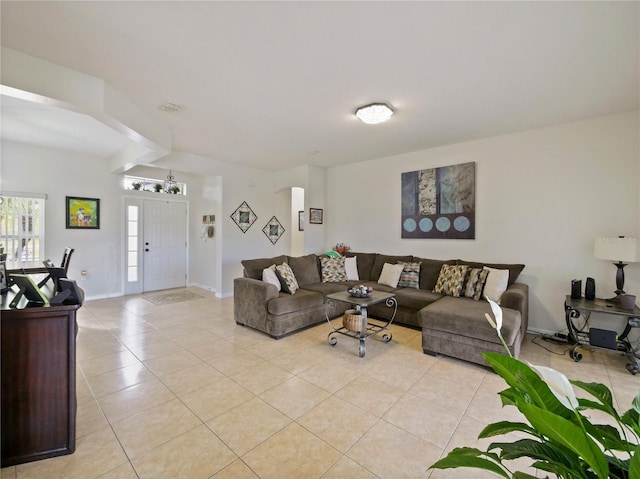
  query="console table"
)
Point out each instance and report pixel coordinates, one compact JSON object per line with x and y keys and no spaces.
{"x":367,"y":329}
{"x":579,"y":335}
{"x":38,"y":385}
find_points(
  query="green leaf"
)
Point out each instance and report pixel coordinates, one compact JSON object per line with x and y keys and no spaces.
{"x":569,"y":435}
{"x":631,"y":418}
{"x":471,"y":457}
{"x":562,"y":472}
{"x":634,"y":464}
{"x":505,"y":427}
{"x":608,"y":436}
{"x":522,"y":475}
{"x":553,"y":454}
{"x":636,"y":403}
{"x":522,"y":379}
{"x":597,"y":390}
{"x":589,"y":404}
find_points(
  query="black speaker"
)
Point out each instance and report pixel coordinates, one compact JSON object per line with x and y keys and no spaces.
{"x":576,"y":289}
{"x":590,"y":289}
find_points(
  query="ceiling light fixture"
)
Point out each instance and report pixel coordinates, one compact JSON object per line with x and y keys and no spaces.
{"x":374,"y":113}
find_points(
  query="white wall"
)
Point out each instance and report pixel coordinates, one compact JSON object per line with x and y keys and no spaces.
{"x":58,"y":174}
{"x":542,"y":197}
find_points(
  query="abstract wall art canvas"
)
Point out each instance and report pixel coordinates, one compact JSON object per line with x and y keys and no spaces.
{"x":440,"y":202}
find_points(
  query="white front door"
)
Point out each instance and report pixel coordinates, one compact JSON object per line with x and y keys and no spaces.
{"x":164,"y":245}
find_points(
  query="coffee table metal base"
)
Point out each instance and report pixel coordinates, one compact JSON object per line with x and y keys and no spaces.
{"x":367,"y":329}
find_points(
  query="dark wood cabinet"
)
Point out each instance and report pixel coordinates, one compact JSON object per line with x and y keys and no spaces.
{"x":38,"y":382}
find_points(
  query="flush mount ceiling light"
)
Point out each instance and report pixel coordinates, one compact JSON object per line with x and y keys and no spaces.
{"x":374,"y":113}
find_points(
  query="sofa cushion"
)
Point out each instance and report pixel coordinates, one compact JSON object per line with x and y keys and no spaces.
{"x":269,"y":276}
{"x":451,"y":280}
{"x":287,"y":278}
{"x":381,"y":259}
{"x":410,"y":277}
{"x":328,"y":288}
{"x":365,"y":263}
{"x":351,"y":267}
{"x":253,"y":267}
{"x":514,"y":269}
{"x":430,"y":270}
{"x":465,"y":317}
{"x":415,"y":299}
{"x":333,"y":269}
{"x":305,"y":268}
{"x":286,"y":303}
{"x":475,"y":282}
{"x":391,"y":274}
{"x":496,"y":283}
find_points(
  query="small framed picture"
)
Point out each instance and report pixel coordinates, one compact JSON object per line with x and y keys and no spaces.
{"x":301,"y":220}
{"x":316,"y":216}
{"x":83,"y":213}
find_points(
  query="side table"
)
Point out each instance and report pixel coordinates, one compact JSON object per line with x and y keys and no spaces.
{"x":367,"y":329}
{"x":579,"y":336}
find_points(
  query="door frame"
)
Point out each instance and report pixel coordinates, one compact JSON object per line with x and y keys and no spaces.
{"x":137,"y":287}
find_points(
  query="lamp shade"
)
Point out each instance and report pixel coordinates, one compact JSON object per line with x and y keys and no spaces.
{"x":618,"y":248}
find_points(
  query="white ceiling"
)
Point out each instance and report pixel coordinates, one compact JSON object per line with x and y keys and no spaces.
{"x":275,"y":84}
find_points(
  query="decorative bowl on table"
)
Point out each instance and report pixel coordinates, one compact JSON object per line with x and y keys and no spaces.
{"x":360,"y":291}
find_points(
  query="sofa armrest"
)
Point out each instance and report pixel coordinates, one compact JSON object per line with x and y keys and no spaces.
{"x":517,"y":297}
{"x":250,"y":298}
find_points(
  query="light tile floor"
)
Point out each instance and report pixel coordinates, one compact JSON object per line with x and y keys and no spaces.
{"x":181,"y":391}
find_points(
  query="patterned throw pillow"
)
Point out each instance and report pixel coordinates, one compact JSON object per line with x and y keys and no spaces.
{"x":475,"y":283}
{"x":410,"y":277}
{"x":287,"y":278}
{"x":333,"y":270}
{"x":451,"y":280}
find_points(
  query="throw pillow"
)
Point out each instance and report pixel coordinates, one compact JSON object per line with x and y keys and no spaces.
{"x":410,"y":277}
{"x":451,"y":280}
{"x":287,"y":278}
{"x":269,"y":276}
{"x":333,"y":269}
{"x":390,"y":274}
{"x":496,"y":284}
{"x":351,"y":267}
{"x":475,"y":283}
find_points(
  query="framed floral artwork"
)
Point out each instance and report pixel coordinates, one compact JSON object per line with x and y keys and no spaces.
{"x":82,"y":213}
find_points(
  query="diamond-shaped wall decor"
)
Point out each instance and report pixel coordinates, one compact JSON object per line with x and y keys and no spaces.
{"x":244,"y":217}
{"x":273,"y":229}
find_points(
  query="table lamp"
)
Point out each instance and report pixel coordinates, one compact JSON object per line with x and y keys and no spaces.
{"x":622,"y":249}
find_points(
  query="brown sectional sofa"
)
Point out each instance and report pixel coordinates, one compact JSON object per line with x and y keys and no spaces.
{"x":453,"y":326}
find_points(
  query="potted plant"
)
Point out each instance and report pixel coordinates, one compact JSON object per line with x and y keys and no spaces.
{"x":558,"y":437}
{"x":137,"y":185}
{"x":175,"y":189}
{"x":157,"y":187}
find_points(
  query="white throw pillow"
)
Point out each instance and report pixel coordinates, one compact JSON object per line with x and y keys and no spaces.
{"x":351,"y":266}
{"x":391,"y":274}
{"x":269,"y":276}
{"x":496,"y":283}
